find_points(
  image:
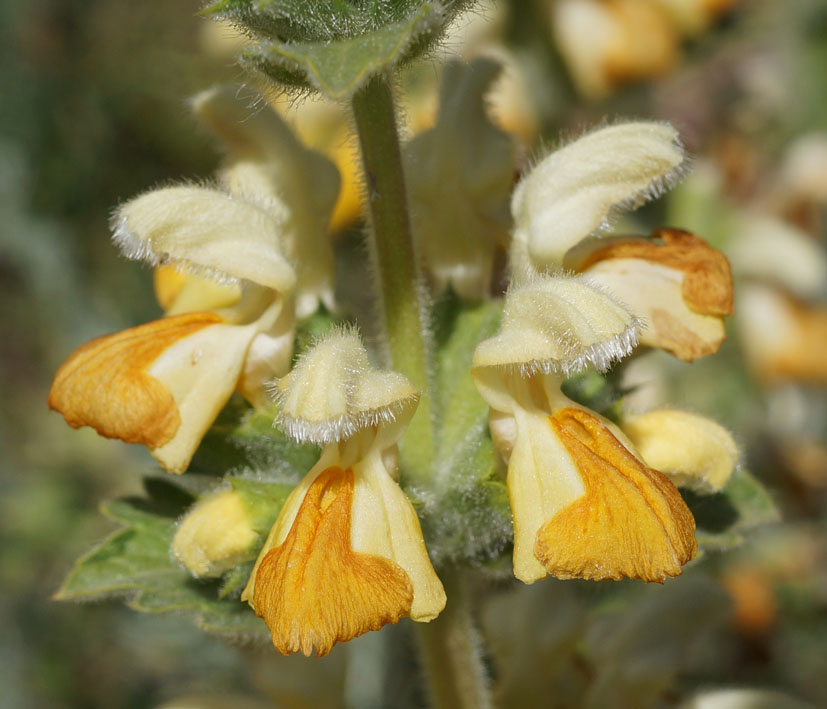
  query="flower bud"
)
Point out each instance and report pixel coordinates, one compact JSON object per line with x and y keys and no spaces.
{"x":215,"y":535}
{"x":692,"y":451}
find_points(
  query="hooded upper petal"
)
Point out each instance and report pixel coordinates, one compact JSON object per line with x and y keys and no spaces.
{"x":573,"y":192}
{"x":207,"y":231}
{"x":559,"y":324}
{"x":333,"y":391}
{"x":266,"y":165}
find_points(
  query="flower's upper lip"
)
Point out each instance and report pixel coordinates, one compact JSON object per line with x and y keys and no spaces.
{"x":207,"y":231}
{"x":559,"y":324}
{"x":333,"y":391}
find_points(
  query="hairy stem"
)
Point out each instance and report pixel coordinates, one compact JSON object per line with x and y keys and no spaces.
{"x":403,"y":304}
{"x":451,"y":652}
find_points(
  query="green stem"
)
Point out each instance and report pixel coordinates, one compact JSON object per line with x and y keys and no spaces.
{"x":451,"y":652}
{"x":394,"y":259}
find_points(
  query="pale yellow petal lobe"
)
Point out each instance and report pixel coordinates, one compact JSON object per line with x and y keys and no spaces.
{"x":104,"y":383}
{"x":631,"y":522}
{"x":313,"y":590}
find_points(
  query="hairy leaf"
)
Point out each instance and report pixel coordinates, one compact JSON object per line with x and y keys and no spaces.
{"x":135,"y":562}
{"x":724,"y":518}
{"x":335,"y":46}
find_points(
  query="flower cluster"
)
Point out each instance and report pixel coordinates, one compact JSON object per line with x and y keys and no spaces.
{"x":590,"y":498}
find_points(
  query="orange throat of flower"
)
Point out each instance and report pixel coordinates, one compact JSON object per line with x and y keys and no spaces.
{"x":631,"y":522}
{"x":314,"y":590}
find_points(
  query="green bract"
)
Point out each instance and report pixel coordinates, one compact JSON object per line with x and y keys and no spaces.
{"x":335,"y":46}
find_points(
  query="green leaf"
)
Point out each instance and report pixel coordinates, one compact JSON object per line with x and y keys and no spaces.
{"x":724,"y":518}
{"x":339,"y":68}
{"x":458,"y":329}
{"x":135,"y":562}
{"x":335,"y":46}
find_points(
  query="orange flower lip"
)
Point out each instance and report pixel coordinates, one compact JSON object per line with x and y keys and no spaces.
{"x":707,"y":284}
{"x":313,"y":590}
{"x":104,"y":383}
{"x":631,"y":522}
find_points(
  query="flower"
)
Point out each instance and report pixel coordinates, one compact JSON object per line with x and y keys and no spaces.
{"x":163,"y":383}
{"x":783,"y":337}
{"x":584,"y":504}
{"x":459,"y":176}
{"x":346,"y":553}
{"x":674,"y":281}
{"x":262,"y":242}
{"x":608,"y":43}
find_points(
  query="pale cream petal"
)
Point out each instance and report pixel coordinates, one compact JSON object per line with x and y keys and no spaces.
{"x":574,"y":192}
{"x":333,"y":391}
{"x":215,"y":534}
{"x":207,"y":231}
{"x":200,"y":372}
{"x":653,"y":292}
{"x":385,"y":525}
{"x":269,"y":167}
{"x":270,"y":354}
{"x":542,"y":479}
{"x":690,"y":450}
{"x":559,"y":324}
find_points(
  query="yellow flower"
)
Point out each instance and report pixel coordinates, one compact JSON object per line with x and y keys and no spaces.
{"x":162,"y":384}
{"x":784,"y":337}
{"x":608,"y":43}
{"x":346,"y":554}
{"x":674,"y":281}
{"x":584,"y":504}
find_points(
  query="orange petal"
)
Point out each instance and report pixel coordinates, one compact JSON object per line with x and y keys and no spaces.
{"x":632,"y":522}
{"x":104,"y":383}
{"x":313,"y":590}
{"x":707,"y":283}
